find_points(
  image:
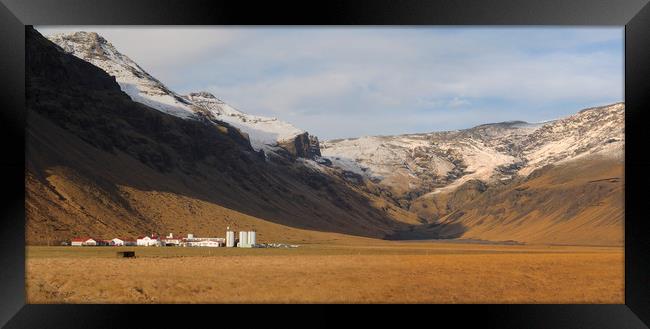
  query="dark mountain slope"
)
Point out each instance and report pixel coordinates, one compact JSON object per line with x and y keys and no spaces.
{"x":99,"y":163}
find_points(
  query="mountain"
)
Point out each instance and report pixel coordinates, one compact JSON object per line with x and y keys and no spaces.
{"x":558,"y":182}
{"x":579,"y":202}
{"x":409,"y":166}
{"x":111,"y":150}
{"x":100,"y":164}
{"x":268,"y":134}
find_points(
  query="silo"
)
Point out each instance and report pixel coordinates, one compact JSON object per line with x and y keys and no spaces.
{"x":243,"y":238}
{"x":251,"y":238}
{"x":230,"y":238}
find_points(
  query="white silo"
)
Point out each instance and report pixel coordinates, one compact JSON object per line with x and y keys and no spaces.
{"x":230,"y":238}
{"x":243,"y":238}
{"x":251,"y":238}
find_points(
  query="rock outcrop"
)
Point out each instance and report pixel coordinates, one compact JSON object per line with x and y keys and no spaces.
{"x":302,"y":146}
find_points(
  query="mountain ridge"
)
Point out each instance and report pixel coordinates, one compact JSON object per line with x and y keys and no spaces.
{"x":209,"y":155}
{"x":441,"y":161}
{"x":99,"y":163}
{"x":264,"y":133}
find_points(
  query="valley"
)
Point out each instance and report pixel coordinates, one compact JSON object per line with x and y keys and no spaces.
{"x":506,"y":212}
{"x":141,"y":158}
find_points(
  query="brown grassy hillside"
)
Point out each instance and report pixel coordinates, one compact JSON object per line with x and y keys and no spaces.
{"x":580,"y":202}
{"x":101,"y":164}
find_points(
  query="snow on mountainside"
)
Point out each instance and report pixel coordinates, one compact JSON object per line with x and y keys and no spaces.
{"x":409,"y":165}
{"x":441,"y":161}
{"x":133,"y":80}
{"x":263,"y":132}
{"x":596,"y":131}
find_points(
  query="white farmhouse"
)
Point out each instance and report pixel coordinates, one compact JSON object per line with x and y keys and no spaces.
{"x":148,"y":241}
{"x":117,"y":242}
{"x":83,"y":242}
{"x":89,"y":242}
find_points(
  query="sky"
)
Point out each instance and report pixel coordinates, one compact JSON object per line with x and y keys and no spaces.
{"x":339,"y":82}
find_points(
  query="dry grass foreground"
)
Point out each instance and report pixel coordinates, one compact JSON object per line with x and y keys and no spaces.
{"x":399,"y":272}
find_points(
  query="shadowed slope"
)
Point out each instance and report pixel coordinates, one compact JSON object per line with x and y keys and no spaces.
{"x":99,"y":163}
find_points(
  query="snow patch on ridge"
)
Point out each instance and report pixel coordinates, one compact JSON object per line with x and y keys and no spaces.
{"x":133,"y":80}
{"x":487,"y":152}
{"x":264,"y":132}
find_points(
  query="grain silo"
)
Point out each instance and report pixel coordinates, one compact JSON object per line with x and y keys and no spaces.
{"x":243,"y":239}
{"x":251,"y":238}
{"x":230,"y":238}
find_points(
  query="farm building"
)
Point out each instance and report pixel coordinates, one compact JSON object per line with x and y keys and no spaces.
{"x":192,"y":241}
{"x":148,"y":241}
{"x":170,"y":240}
{"x":77,"y":241}
{"x":230,"y":238}
{"x":117,"y":242}
{"x":247,"y":239}
{"x":207,"y":243}
{"x":83,"y":242}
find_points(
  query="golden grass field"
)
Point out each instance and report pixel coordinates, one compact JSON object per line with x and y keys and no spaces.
{"x":374,"y":271}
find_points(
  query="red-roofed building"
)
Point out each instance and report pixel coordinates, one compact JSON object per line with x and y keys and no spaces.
{"x":83,"y":242}
{"x":148,"y":241}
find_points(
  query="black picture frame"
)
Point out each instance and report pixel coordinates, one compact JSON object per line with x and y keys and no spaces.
{"x":633,"y":14}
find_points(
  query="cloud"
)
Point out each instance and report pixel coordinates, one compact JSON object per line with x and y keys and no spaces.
{"x":338,"y":82}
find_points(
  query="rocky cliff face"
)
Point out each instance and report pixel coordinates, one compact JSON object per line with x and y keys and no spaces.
{"x":302,"y":146}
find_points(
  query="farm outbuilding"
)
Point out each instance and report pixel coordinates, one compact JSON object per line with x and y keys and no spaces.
{"x":230,"y":238}
{"x":77,"y":241}
{"x":117,"y":242}
{"x":83,"y":242}
{"x":148,"y":241}
{"x":208,"y":243}
{"x":247,"y":239}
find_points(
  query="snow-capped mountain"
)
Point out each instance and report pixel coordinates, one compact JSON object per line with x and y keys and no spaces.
{"x":598,"y":131}
{"x":83,"y":133}
{"x":441,"y":161}
{"x":264,"y":133}
{"x":410,"y":164}
{"x":133,"y":80}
